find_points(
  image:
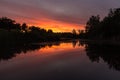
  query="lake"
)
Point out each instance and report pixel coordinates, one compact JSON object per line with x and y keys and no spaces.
{"x":68,"y":60}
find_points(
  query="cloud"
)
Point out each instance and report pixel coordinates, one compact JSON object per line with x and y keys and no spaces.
{"x":69,"y":11}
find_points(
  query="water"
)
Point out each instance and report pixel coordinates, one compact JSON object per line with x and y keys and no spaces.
{"x":72,"y":60}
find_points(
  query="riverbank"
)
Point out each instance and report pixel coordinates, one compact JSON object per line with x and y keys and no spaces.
{"x":100,"y":42}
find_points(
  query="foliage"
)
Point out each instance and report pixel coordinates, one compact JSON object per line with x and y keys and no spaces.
{"x":16,"y":33}
{"x":108,"y":28}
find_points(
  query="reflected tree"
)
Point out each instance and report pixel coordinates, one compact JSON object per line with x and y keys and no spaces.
{"x":108,"y":53}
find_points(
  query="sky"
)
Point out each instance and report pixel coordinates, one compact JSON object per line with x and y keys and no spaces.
{"x":58,"y":15}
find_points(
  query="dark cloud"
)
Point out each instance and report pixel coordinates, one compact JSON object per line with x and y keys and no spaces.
{"x":69,"y":11}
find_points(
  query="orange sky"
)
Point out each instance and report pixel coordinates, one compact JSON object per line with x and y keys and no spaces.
{"x":58,"y":15}
{"x":57,"y":18}
{"x":56,"y":26}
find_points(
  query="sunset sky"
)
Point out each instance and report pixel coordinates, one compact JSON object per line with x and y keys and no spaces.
{"x":59,"y":15}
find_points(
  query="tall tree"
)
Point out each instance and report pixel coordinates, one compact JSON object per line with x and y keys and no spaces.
{"x":92,"y":26}
{"x":111,"y":24}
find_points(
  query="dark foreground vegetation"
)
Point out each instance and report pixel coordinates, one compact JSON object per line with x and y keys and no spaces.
{"x":16,"y":33}
{"x":107,"y":28}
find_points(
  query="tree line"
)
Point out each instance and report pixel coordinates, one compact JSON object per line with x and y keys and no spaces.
{"x":13,"y":32}
{"x":106,"y":29}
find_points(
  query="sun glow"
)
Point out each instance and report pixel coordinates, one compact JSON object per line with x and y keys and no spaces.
{"x":56,"y":26}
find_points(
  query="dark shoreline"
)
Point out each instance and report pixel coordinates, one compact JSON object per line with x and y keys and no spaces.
{"x":105,"y":42}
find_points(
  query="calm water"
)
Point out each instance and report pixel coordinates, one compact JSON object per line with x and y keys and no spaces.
{"x":73,"y":60}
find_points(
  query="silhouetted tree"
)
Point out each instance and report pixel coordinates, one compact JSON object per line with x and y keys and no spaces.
{"x":74,"y":32}
{"x":111,"y":24}
{"x":21,"y":34}
{"x":81,"y":33}
{"x":108,"y":28}
{"x":17,"y":26}
{"x":33,"y":28}
{"x":50,"y":31}
{"x":6,"y":23}
{"x":92,"y":26}
{"x":24,"y":27}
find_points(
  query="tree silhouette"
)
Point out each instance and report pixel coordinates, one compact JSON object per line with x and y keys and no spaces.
{"x":24,"y":27}
{"x":108,"y":28}
{"x":74,"y":32}
{"x":33,"y":28}
{"x":111,"y":24}
{"x":6,"y":23}
{"x":81,"y":34}
{"x":15,"y":33}
{"x":50,"y":31}
{"x":17,"y":26}
{"x":92,"y":26}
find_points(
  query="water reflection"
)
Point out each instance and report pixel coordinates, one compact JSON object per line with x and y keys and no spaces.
{"x":109,"y":53}
{"x":66,"y":60}
{"x":10,"y":51}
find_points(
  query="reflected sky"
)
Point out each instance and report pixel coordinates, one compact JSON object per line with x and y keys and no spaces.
{"x":62,"y":61}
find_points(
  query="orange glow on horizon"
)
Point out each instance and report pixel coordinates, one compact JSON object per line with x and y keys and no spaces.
{"x":56,"y":26}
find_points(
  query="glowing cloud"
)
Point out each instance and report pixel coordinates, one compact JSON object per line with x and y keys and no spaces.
{"x":59,"y":15}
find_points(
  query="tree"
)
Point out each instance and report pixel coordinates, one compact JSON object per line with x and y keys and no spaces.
{"x":92,"y":23}
{"x":17,"y":26}
{"x":81,"y":33}
{"x":108,"y":28}
{"x":50,"y":31}
{"x":111,"y":24}
{"x":6,"y":23}
{"x":24,"y":27}
{"x":34,"y":28}
{"x":92,"y":26}
{"x":74,"y":32}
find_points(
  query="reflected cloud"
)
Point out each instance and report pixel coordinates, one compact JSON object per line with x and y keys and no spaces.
{"x":9,"y":51}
